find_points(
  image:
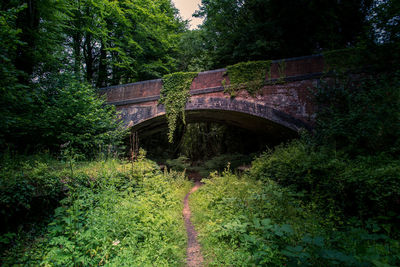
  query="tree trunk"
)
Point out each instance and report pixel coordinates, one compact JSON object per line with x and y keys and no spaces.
{"x":77,"y":40}
{"x":28,"y":21}
{"x":89,"y":58}
{"x":102,"y":76}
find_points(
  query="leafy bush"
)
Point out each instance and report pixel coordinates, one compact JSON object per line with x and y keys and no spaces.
{"x":28,"y":190}
{"x":32,"y":187}
{"x":368,"y":186}
{"x":244,"y":222}
{"x":360,"y":114}
{"x":73,"y":113}
{"x":63,"y":110}
{"x":179,"y":164}
{"x":119,"y":214}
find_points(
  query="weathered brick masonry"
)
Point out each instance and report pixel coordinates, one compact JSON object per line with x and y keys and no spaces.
{"x":288,"y":103}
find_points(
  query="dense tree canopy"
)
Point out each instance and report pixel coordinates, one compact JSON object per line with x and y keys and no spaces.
{"x":116,"y":42}
{"x":107,"y":42}
{"x":57,"y":49}
{"x":239,"y":30}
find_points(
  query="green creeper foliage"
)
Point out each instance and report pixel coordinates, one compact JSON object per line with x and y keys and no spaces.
{"x":174,"y":95}
{"x":281,"y":71}
{"x":247,"y":75}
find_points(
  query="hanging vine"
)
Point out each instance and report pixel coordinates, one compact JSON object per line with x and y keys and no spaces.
{"x":247,"y":75}
{"x":174,"y":95}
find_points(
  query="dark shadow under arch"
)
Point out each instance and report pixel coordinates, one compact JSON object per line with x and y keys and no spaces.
{"x":258,"y":125}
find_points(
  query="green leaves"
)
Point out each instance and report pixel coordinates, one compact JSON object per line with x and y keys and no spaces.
{"x":237,"y":223}
{"x":360,"y":116}
{"x":43,"y":43}
{"x":366,"y":187}
{"x":113,"y":213}
{"x":139,"y":228}
{"x":249,"y":76}
{"x":244,"y":222}
{"x":123,"y":41}
{"x":12,"y":91}
{"x":73,"y":113}
{"x":237,"y":30}
{"x":174,"y":94}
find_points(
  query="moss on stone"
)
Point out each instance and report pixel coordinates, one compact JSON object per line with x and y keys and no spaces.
{"x":249,"y":76}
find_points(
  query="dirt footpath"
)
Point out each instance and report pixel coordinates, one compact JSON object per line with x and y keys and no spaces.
{"x":194,"y":257}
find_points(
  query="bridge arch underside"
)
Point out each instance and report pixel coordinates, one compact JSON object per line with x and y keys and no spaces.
{"x":257,"y":118}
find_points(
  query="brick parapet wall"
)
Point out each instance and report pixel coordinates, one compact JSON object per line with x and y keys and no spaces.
{"x":294,"y":67}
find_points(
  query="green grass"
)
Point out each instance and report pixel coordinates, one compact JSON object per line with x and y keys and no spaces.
{"x":246,"y":222}
{"x":112,"y":214}
{"x":289,"y":209}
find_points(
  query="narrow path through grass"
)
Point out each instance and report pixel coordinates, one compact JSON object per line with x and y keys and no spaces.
{"x":194,"y":257}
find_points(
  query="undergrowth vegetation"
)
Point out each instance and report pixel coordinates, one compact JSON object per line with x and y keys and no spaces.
{"x":247,"y":222}
{"x":366,"y":187}
{"x":360,"y":115}
{"x":216,"y":163}
{"x":112,"y":212}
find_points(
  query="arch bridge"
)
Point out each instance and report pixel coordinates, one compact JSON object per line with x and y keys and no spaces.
{"x":281,"y":108}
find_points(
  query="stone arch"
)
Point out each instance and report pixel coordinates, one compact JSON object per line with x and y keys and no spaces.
{"x":245,"y":113}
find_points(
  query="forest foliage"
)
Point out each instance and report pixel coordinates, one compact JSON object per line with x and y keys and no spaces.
{"x":237,"y":30}
{"x":102,"y":43}
{"x":105,"y":212}
{"x":329,"y":198}
{"x":53,"y":55}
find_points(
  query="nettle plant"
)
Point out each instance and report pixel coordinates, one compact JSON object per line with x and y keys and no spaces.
{"x":247,"y":75}
{"x":174,"y":95}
